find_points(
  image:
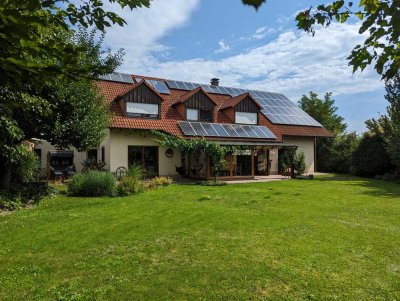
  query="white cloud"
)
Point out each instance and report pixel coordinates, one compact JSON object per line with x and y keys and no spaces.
{"x":262,"y":32}
{"x":223,"y":47}
{"x":294,"y":63}
{"x":145,"y":27}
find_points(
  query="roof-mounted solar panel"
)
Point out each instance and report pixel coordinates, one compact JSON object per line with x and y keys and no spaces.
{"x":118,"y":77}
{"x":205,"y":129}
{"x":159,"y":86}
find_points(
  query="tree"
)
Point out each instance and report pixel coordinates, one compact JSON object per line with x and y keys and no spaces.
{"x":379,"y":18}
{"x":66,"y":112}
{"x":333,"y":154}
{"x":371,"y":158}
{"x":33,"y":49}
{"x":324,"y":111}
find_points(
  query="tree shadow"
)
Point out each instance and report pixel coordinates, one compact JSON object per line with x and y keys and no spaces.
{"x":372,"y":187}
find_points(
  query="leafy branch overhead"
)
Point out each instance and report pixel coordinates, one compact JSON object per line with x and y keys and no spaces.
{"x":379,"y":21}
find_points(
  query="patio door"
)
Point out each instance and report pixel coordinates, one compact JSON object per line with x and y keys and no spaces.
{"x":145,"y":156}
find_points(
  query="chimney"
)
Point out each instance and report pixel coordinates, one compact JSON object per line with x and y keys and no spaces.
{"x":215,"y":81}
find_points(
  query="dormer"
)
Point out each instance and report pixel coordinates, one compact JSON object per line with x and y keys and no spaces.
{"x":196,"y":105}
{"x":242,"y":109}
{"x":141,"y":101}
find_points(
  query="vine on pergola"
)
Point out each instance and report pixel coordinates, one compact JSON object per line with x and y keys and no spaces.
{"x":186,"y":147}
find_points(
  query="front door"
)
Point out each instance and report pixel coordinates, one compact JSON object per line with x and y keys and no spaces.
{"x":145,"y":156}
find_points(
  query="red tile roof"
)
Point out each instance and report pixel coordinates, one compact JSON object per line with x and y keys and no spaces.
{"x":234,"y":101}
{"x":169,"y":116}
{"x":186,"y":96}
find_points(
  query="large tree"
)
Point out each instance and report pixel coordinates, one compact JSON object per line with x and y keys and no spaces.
{"x":380,"y":20}
{"x":65,"y":112}
{"x":333,"y":154}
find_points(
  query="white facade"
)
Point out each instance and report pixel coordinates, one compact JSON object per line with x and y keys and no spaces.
{"x":114,"y":149}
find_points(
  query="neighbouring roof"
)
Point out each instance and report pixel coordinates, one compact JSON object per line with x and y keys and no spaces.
{"x":273,"y":108}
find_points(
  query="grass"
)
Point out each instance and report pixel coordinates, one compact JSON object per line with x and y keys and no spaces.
{"x":326,"y":239}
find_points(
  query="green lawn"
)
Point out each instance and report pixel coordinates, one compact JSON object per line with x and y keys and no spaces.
{"x":326,"y":239}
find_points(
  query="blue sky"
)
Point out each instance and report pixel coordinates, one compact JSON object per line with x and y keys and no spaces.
{"x":195,"y":40}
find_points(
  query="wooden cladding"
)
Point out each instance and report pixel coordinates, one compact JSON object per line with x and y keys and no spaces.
{"x":247,"y":105}
{"x":199,"y":101}
{"x":143,"y":94}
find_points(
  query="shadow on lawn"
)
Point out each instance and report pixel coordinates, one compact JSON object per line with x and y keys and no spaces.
{"x":373,"y":187}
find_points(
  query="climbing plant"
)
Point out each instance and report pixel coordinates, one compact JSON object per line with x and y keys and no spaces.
{"x":186,"y":147}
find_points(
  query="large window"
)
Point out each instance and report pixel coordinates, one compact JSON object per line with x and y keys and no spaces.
{"x":144,"y":156}
{"x":199,"y":115}
{"x":246,"y":118}
{"x":142,"y":110}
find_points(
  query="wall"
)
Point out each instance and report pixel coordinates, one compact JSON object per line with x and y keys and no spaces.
{"x":306,"y":145}
{"x":45,"y":146}
{"x":121,"y":139}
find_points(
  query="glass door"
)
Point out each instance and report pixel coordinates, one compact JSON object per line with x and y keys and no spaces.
{"x":145,"y":156}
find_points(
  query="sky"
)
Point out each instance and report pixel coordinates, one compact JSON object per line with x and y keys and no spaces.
{"x":196,"y":40}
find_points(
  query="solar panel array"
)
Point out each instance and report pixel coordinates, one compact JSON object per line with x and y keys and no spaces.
{"x":158,"y":85}
{"x":118,"y":77}
{"x":276,"y":107}
{"x":225,"y":130}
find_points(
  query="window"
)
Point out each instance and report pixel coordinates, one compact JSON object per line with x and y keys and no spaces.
{"x":206,"y":115}
{"x":103,"y":154}
{"x":199,"y":115}
{"x":246,"y":118}
{"x":92,"y":155}
{"x":142,"y":110}
{"x":145,"y":156}
{"x":192,"y":114}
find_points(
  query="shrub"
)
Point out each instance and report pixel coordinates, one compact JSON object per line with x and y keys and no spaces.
{"x":299,"y":163}
{"x":136,"y":172}
{"x":161,"y":181}
{"x":92,"y":183}
{"x":130,"y":185}
{"x":370,"y":157}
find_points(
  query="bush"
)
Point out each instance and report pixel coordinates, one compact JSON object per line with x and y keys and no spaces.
{"x":161,"y":181}
{"x":136,"y":172}
{"x":370,"y":157}
{"x":92,"y":183}
{"x":299,"y":163}
{"x":130,"y":185}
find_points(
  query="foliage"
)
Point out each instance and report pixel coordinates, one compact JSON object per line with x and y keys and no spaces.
{"x":65,"y":113}
{"x":33,"y":46}
{"x":324,"y":111}
{"x":388,"y":126}
{"x":336,"y":154}
{"x":161,"y":181}
{"x":299,"y":163}
{"x":92,"y":164}
{"x":136,"y":172}
{"x":286,"y":157}
{"x":130,"y":185}
{"x":380,"y":19}
{"x":215,"y":151}
{"x":92,"y":183}
{"x":370,"y":158}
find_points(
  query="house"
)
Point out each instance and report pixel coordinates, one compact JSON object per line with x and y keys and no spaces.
{"x":265,"y":122}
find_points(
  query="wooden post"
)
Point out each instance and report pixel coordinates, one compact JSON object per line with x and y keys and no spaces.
{"x":252,"y":162}
{"x":231,"y":165}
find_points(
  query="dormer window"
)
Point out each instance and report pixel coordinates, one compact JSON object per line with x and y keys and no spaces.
{"x":246,"y":118}
{"x":142,"y":110}
{"x":196,"y":105}
{"x":141,"y":101}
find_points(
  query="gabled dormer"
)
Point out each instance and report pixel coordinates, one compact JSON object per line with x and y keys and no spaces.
{"x":140,"y":101}
{"x":196,"y":105}
{"x":242,"y":109}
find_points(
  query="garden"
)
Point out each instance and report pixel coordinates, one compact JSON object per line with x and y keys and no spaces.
{"x":331,"y":238}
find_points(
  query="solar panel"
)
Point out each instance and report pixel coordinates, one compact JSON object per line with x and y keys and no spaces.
{"x":276,"y":107}
{"x":203,"y":129}
{"x":118,"y":77}
{"x":159,"y":86}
